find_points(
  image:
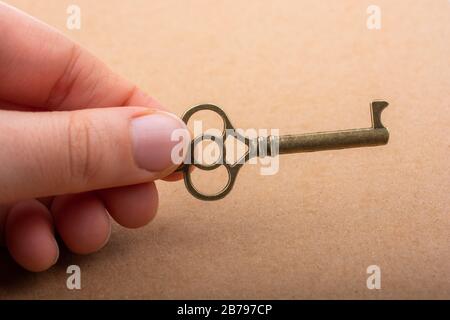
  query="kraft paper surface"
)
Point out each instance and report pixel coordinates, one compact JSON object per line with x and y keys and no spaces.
{"x":311,"y":230}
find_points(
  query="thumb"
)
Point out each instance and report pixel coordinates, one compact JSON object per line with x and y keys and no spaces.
{"x":52,"y":153}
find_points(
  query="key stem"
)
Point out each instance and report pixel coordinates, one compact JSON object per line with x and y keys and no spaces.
{"x":332,"y":140}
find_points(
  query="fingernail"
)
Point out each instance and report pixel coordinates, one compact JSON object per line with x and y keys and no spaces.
{"x":109,"y":231}
{"x":57,"y":253}
{"x":154,"y":138}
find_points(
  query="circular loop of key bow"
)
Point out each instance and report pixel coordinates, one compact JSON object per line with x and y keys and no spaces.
{"x":232,"y":169}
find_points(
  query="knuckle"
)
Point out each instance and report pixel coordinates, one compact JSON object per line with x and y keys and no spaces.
{"x":83,"y":156}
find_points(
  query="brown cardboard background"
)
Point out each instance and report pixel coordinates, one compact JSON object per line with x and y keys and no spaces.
{"x":311,"y":230}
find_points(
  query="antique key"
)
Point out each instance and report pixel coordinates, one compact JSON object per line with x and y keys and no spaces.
{"x":274,"y":145}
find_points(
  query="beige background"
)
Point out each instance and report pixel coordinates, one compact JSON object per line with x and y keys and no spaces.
{"x":311,"y":230}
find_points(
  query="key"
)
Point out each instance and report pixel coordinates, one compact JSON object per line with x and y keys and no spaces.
{"x":274,"y":145}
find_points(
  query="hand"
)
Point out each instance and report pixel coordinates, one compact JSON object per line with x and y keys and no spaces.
{"x":69,"y":126}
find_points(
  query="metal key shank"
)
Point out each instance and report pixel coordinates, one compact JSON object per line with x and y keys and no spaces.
{"x":331,"y":140}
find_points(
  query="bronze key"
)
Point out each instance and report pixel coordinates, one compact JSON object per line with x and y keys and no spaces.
{"x":274,"y":145}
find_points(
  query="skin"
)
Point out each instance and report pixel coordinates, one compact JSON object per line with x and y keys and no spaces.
{"x":63,"y":76}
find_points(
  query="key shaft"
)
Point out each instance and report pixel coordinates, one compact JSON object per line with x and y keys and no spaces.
{"x":331,"y":140}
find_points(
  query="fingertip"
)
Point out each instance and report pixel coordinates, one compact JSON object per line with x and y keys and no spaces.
{"x":158,"y":141}
{"x":131,"y":206}
{"x":29,"y":236}
{"x":141,"y":98}
{"x":176,"y":176}
{"x":82,"y":222}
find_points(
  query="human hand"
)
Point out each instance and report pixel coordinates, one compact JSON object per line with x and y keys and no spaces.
{"x":80,"y":141}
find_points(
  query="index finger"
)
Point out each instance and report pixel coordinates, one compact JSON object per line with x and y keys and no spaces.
{"x":41,"y":68}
